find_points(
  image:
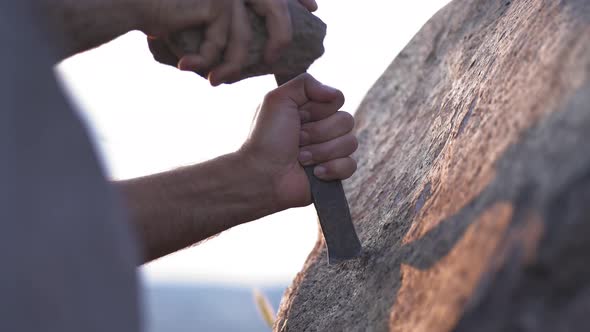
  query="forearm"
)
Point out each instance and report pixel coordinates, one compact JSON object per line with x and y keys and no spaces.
{"x":79,"y":25}
{"x":177,"y":209}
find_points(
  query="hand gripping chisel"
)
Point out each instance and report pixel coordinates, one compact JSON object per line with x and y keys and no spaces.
{"x":333,"y":211}
{"x":307,"y":46}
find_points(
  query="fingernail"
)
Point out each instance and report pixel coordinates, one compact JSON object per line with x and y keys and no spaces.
{"x":214,"y":79}
{"x":183,"y":67}
{"x":218,"y":82}
{"x":303,"y":138}
{"x":185,"y":64}
{"x":304,"y":157}
{"x":319,"y":171}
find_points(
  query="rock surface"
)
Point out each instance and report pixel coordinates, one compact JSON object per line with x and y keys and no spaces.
{"x":472,"y":197}
{"x":307,"y":44}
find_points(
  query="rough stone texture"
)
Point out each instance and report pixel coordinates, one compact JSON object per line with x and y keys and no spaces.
{"x":472,"y":197}
{"x":307,"y":44}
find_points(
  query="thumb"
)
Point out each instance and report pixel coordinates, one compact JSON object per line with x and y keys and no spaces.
{"x":305,"y":88}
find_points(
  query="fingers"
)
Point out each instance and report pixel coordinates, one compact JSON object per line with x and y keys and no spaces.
{"x":327,"y":129}
{"x":237,"y":51}
{"x":161,"y":52}
{"x":332,"y":157}
{"x":311,"y":5}
{"x":337,"y":169}
{"x":211,"y":49}
{"x":278,"y":25}
{"x":339,"y":147}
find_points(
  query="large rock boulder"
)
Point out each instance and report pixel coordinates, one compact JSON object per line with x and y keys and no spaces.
{"x":472,"y":197}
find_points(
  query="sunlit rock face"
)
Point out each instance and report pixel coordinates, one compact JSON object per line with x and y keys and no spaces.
{"x":472,"y":197}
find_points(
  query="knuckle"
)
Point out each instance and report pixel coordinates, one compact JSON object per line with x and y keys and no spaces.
{"x":347,"y":120}
{"x":316,"y":133}
{"x":272,"y":97}
{"x":345,"y":168}
{"x":322,"y":152}
{"x":354,"y":143}
{"x":340,"y":99}
{"x":353,"y":164}
{"x":304,"y":77}
{"x":352,"y":169}
{"x":309,"y":128}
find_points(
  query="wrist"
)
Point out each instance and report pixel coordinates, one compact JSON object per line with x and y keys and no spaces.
{"x":262,"y":180}
{"x":77,"y":26}
{"x":147,"y":15}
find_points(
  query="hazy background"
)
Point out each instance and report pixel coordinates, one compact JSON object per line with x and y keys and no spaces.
{"x":147,"y":118}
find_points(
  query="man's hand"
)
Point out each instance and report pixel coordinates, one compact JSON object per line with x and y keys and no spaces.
{"x":300,"y":124}
{"x":227,"y":32}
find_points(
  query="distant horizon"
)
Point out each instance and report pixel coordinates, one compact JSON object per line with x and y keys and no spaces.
{"x":198,"y":283}
{"x":206,"y":308}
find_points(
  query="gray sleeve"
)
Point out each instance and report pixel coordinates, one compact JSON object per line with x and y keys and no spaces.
{"x":68,"y":259}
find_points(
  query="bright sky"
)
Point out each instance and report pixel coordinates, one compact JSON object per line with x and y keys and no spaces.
{"x":147,"y":118}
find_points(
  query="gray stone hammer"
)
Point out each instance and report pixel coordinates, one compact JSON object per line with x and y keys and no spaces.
{"x":307,"y":46}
